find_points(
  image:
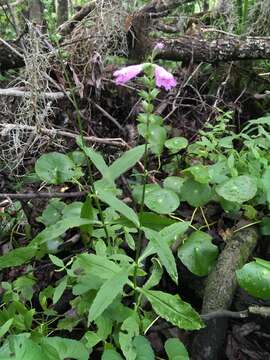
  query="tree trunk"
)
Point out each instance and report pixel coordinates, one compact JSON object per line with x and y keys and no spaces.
{"x":61,"y":11}
{"x":35,"y":12}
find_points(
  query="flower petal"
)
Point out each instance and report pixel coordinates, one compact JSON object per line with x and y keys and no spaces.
{"x":127,"y":73}
{"x":164,"y":78}
{"x":159,"y":46}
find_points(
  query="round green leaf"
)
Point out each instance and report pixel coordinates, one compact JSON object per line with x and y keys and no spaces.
{"x":195,"y":194}
{"x":162,"y":201}
{"x":199,"y":173}
{"x":238,"y":189}
{"x":176,"y":144}
{"x":138,"y":191}
{"x":198,"y":253}
{"x":55,"y":168}
{"x":174,"y":183}
{"x":254,"y":277}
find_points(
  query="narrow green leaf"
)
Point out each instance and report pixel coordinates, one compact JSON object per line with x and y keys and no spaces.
{"x":129,"y":329}
{"x":125,"y":162}
{"x":119,"y":206}
{"x":164,"y":252}
{"x":156,"y":275}
{"x":17,"y":257}
{"x":59,"y":290}
{"x":5,"y":327}
{"x":56,"y":230}
{"x":176,"y":350}
{"x":173,"y":309}
{"x":87,"y":212}
{"x":56,"y":261}
{"x":107,"y":293}
{"x":95,"y":265}
{"x":95,"y":157}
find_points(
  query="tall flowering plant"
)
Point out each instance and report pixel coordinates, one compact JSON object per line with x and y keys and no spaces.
{"x":150,"y":125}
{"x":154,"y":78}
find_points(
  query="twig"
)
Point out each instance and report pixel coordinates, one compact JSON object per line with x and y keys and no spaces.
{"x":108,"y":116}
{"x":255,"y":310}
{"x":43,"y":195}
{"x":21,"y":93}
{"x":55,"y":132}
{"x":11,"y":48}
{"x":225,"y":313}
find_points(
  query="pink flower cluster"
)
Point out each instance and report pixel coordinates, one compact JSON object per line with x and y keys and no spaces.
{"x":163,"y":78}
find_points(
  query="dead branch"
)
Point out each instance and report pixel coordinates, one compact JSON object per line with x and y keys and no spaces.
{"x":43,"y":195}
{"x":21,"y":93}
{"x":69,"y":25}
{"x":223,"y":49}
{"x":157,"y":6}
{"x":6,"y":128}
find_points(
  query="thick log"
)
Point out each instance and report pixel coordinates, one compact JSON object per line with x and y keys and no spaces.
{"x":196,"y":49}
{"x":220,"y":288}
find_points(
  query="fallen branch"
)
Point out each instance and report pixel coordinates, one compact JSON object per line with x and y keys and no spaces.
{"x":43,"y":195}
{"x":228,"y":48}
{"x":21,"y":93}
{"x":69,"y":25}
{"x":157,"y":6}
{"x":219,"y":292}
{"x":6,"y":128}
{"x":252,"y":310}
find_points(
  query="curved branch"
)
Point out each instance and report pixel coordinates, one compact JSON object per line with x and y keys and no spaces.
{"x":219,"y":292}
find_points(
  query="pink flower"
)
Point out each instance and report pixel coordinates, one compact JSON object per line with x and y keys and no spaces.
{"x":127,"y":73}
{"x":159,"y":46}
{"x":164,"y":78}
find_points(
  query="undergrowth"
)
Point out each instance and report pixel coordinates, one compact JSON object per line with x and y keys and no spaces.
{"x":91,"y":282}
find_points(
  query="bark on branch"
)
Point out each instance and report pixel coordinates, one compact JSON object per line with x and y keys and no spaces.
{"x":219,"y":292}
{"x":158,"y":6}
{"x":219,"y":50}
